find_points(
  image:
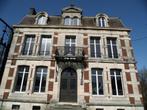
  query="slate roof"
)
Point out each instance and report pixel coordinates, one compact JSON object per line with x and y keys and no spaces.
{"x":86,"y":21}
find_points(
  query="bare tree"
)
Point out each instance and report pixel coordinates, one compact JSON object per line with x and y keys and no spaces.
{"x":143,"y":82}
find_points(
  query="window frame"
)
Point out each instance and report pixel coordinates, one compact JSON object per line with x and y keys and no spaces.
{"x":102,"y":21}
{"x":40,"y":79}
{"x":67,"y":21}
{"x":97,"y":80}
{"x":96,"y":54}
{"x":112,"y":50}
{"x":116,"y":83}
{"x":30,"y":44}
{"x":22,"y":80}
{"x":15,"y":105}
{"x":42,"y":19}
{"x":46,"y":43}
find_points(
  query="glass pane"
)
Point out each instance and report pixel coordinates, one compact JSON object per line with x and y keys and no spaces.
{"x":37,"y":82}
{"x":43,"y":82}
{"x":100,"y":85}
{"x":109,"y":51}
{"x":92,"y":50}
{"x":94,"y":87}
{"x":98,"y":53}
{"x":25,"y":82}
{"x":113,"y":85}
{"x":115,"y":52}
{"x":18,"y":81}
{"x":119,"y":86}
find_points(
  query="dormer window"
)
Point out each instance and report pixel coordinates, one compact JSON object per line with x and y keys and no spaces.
{"x":41,"y":18}
{"x":102,"y":22}
{"x":75,"y":21}
{"x":71,"y":21}
{"x":67,"y":21}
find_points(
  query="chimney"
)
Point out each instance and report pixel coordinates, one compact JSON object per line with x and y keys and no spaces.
{"x":32,"y":11}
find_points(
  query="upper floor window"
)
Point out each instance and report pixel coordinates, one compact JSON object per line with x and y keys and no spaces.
{"x":28,"y":45}
{"x":45,"y":45}
{"x":75,"y":21}
{"x":21,"y":78}
{"x":15,"y":107}
{"x":42,"y":20}
{"x":112,"y":48}
{"x":67,"y":21}
{"x":116,"y":82}
{"x":102,"y":22}
{"x":71,"y":21}
{"x":97,"y":81}
{"x":40,"y":79}
{"x":95,"y":47}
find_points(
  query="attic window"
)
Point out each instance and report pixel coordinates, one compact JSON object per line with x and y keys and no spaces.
{"x":42,"y":20}
{"x":75,"y":21}
{"x":67,"y":21}
{"x":71,"y":21}
{"x":102,"y":22}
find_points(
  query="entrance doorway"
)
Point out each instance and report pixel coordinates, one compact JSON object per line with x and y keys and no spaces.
{"x":68,"y":85}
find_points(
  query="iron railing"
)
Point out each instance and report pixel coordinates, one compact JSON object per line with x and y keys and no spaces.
{"x":69,"y":53}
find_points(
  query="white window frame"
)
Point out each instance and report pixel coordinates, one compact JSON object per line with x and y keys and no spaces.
{"x":30,"y":42}
{"x":102,"y":22}
{"x":46,"y":42}
{"x":111,"y":47}
{"x":116,"y":85}
{"x":67,"y":21}
{"x":42,"y":20}
{"x":95,"y":48}
{"x":97,"y":85}
{"x":41,"y":76}
{"x":23,"y":75}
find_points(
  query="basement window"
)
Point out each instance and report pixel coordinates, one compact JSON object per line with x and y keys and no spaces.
{"x":15,"y":107}
{"x":36,"y":108}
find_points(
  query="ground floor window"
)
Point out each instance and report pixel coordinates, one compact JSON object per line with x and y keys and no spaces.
{"x":116,"y":82}
{"x":97,"y":81}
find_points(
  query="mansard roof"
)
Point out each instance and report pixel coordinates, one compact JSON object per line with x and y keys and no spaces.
{"x":113,"y":22}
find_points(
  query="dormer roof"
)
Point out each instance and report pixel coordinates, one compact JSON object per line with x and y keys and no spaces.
{"x":71,"y":9}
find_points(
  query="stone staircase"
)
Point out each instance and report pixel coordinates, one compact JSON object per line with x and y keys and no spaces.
{"x":66,"y":107}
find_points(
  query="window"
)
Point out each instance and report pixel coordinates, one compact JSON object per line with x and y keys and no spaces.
{"x":40,"y":79}
{"x":15,"y":107}
{"x":21,"y":78}
{"x":112,"y":48}
{"x":97,"y":81}
{"x":36,"y":108}
{"x":70,"y":42}
{"x":67,"y":21}
{"x":45,"y":45}
{"x":102,"y":22}
{"x":42,"y":20}
{"x":99,"y":109}
{"x":116,"y":82}
{"x":71,"y":21}
{"x":28,"y":45}
{"x":95,"y":47}
{"x":75,"y":21}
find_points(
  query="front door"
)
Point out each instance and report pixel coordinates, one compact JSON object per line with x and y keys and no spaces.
{"x":68,"y":86}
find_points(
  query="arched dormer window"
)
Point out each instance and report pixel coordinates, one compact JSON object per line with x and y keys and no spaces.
{"x":41,"y":18}
{"x":102,"y":20}
{"x":67,"y":20}
{"x":75,"y":21}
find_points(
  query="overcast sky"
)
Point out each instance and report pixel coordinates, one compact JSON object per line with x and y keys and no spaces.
{"x":133,"y":13}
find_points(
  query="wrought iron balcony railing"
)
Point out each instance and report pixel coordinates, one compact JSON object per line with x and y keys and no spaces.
{"x":64,"y":53}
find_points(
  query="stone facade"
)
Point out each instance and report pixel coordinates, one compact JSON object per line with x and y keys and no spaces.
{"x":127,"y":97}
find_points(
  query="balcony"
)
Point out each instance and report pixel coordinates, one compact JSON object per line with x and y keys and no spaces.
{"x":66,"y":53}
